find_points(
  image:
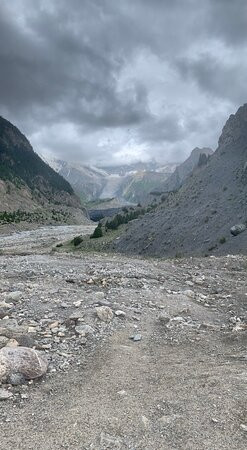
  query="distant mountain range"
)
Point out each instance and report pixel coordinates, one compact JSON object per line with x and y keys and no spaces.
{"x":197,"y":218}
{"x":28,"y":184}
{"x":129,"y":183}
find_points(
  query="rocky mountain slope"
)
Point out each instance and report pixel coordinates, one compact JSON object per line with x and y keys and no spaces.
{"x":181,"y":173}
{"x":197,"y":219}
{"x":130,"y":183}
{"x":29,"y":185}
{"x":87,"y":181}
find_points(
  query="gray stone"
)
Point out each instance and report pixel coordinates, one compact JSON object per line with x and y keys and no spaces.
{"x":136,"y":337}
{"x":84,"y":330}
{"x":237,"y":229}
{"x":16,"y":379}
{"x":164,"y":319}
{"x":13,"y":296}
{"x":26,"y":340}
{"x":11,"y":329}
{"x":65,"y":305}
{"x":5,"y":395}
{"x":99,"y":295}
{"x":3,"y":341}
{"x":3,"y":312}
{"x":120,"y":313}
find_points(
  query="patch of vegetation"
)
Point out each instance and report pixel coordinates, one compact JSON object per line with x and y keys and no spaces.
{"x":37,"y":216}
{"x":178,"y":255}
{"x":222,"y":240}
{"x":107,"y":231}
{"x":77,"y":241}
{"x":213,"y":247}
{"x":98,"y":233}
{"x":121,"y":219}
{"x":88,"y":245}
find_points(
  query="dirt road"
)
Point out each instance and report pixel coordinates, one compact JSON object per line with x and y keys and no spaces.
{"x":180,"y":385}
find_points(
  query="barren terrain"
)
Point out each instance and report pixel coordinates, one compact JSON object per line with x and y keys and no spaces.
{"x":166,"y":370}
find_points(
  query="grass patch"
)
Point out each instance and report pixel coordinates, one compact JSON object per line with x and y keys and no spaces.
{"x":101,"y":244}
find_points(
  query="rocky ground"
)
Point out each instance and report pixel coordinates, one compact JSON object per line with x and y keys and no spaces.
{"x":143,"y":354}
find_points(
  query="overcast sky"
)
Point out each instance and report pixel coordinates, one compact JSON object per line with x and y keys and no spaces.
{"x":113,"y":81}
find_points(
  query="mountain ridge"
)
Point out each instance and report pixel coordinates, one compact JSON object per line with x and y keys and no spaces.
{"x":27,"y":183}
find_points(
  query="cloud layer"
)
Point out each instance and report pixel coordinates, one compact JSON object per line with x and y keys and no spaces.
{"x":106,"y":81}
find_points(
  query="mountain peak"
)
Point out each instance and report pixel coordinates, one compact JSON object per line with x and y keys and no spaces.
{"x":235,"y":129}
{"x":11,"y":136}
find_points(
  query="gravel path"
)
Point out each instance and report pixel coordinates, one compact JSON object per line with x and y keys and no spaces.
{"x":182,"y":385}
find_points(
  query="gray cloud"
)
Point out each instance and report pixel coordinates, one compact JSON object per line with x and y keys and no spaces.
{"x":100,"y":80}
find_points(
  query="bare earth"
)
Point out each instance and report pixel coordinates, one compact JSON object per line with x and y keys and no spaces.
{"x":182,"y":386}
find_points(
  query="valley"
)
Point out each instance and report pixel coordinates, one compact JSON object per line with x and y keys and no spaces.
{"x":123,"y":225}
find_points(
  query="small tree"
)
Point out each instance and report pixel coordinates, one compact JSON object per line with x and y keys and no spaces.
{"x":77,"y":240}
{"x":97,"y":232}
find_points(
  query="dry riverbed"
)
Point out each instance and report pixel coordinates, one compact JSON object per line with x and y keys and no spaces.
{"x":143,"y":354}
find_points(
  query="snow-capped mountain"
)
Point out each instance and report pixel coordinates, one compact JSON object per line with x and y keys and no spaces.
{"x":129,"y":182}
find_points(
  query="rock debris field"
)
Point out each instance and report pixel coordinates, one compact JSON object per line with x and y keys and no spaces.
{"x":125,"y":353}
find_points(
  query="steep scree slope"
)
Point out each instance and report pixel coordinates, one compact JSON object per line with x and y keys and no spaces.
{"x":197,"y":219}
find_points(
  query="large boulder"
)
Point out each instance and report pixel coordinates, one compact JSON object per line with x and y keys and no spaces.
{"x":237,"y":229}
{"x":21,"y":361}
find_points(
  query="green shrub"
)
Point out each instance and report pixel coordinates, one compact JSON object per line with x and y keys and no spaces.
{"x":222,"y":240}
{"x":77,"y":240}
{"x":97,"y":232}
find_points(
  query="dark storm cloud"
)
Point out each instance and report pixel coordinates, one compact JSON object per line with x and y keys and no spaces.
{"x":227,"y":19}
{"x":224,"y":80}
{"x":95,"y":79}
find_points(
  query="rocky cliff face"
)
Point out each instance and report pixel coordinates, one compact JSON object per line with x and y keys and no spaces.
{"x":178,"y":177}
{"x":198,"y":217}
{"x":27,"y":183}
{"x":234,"y":132}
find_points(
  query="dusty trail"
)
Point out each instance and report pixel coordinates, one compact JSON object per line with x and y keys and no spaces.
{"x":182,"y":386}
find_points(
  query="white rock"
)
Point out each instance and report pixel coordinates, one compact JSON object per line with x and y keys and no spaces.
{"x":77,"y":304}
{"x":122,"y":393}
{"x":189,"y":293}
{"x":5,"y":395}
{"x":12,"y":343}
{"x":6,"y":305}
{"x":120,"y":313}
